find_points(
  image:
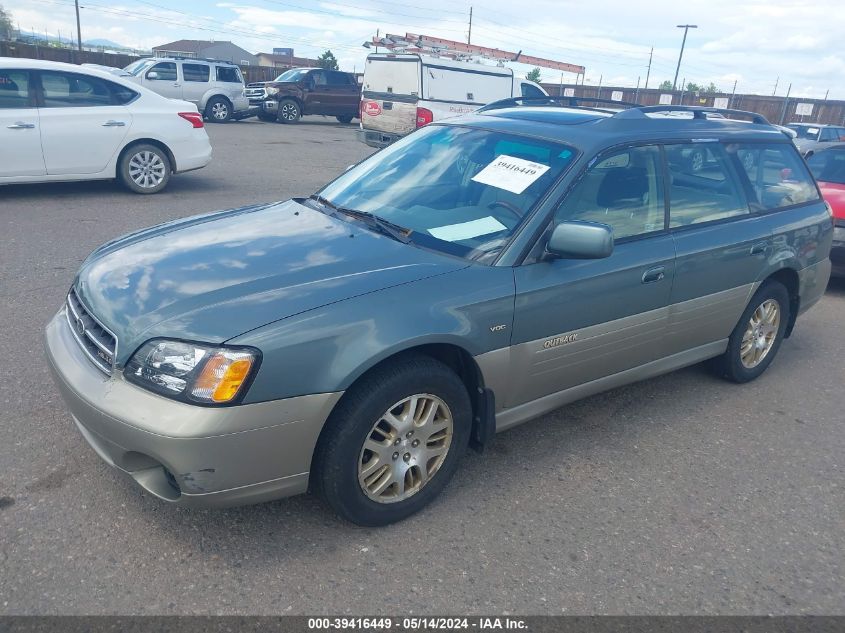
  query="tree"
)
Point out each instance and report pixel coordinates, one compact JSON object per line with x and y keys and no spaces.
{"x":534,"y":75}
{"x":666,"y":85}
{"x":328,"y":61}
{"x":5,"y":25}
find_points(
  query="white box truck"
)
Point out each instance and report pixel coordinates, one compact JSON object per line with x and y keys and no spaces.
{"x":402,"y":92}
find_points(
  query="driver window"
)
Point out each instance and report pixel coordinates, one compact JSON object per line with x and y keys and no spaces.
{"x":623,"y":189}
{"x":319,"y":78}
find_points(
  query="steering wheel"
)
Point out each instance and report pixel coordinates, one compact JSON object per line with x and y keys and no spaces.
{"x":507,"y":206}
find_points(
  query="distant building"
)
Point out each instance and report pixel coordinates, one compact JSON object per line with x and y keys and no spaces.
{"x":284,"y":61}
{"x":222,"y":50}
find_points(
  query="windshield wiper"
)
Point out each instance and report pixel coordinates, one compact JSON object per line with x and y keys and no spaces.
{"x":374,"y":222}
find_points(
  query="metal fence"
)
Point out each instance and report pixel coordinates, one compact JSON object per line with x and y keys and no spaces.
{"x":775,"y":109}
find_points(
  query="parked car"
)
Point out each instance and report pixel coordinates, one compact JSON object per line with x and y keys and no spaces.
{"x":403,"y":92}
{"x":215,"y":87}
{"x":828,"y":166}
{"x":812,"y":136}
{"x":472,"y":276}
{"x":65,"y":122}
{"x":302,"y":91}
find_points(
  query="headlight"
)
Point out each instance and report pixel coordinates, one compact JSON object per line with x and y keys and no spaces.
{"x":270,"y":90}
{"x":192,"y":372}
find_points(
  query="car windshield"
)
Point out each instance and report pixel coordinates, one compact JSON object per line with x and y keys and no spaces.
{"x":460,"y":190}
{"x":807,"y":132}
{"x":137,"y":67}
{"x":294,"y":74}
{"x":828,"y":166}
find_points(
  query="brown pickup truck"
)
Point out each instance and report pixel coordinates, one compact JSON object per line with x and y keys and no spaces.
{"x":301,"y":91}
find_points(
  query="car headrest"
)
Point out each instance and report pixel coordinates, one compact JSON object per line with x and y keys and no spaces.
{"x":621,"y":185}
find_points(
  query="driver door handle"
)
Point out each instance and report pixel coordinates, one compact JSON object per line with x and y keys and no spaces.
{"x":759,"y":247}
{"x":658,"y":273}
{"x":20,"y":125}
{"x":113,"y":123}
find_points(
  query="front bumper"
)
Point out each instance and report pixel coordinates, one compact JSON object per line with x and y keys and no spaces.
{"x":185,"y":454}
{"x":377,"y":139}
{"x":270,"y":106}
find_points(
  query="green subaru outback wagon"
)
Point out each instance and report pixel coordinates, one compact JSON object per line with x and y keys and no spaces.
{"x":475,"y":275}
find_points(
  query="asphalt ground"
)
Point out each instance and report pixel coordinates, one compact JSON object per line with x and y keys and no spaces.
{"x":682,"y":494}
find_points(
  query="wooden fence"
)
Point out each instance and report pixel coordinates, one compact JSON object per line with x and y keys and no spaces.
{"x":775,"y":109}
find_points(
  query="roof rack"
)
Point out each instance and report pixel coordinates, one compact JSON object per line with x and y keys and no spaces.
{"x":193,"y":59}
{"x":698,"y":112}
{"x":573,"y":102}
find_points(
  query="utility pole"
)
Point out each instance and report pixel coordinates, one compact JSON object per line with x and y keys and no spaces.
{"x":469,"y":33}
{"x":637,"y":93}
{"x":78,"y":29}
{"x":785,"y":104}
{"x":683,"y":89}
{"x":598,"y":94}
{"x":776,"y":86}
{"x":686,"y":28}
{"x":731,"y":100}
{"x":648,"y":72}
{"x":378,"y":31}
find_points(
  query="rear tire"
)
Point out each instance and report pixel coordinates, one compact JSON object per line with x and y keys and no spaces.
{"x":415,"y":414}
{"x":346,"y":120}
{"x":219,"y":110}
{"x":288,"y":111}
{"x":145,"y":168}
{"x":756,"y":339}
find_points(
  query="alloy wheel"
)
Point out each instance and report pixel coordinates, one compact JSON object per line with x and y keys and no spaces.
{"x":147,"y":169}
{"x":290,"y":112}
{"x":405,"y":448}
{"x":760,"y":334}
{"x":220,"y":111}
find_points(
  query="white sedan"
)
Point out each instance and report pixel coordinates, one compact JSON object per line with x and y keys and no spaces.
{"x":62,"y":122}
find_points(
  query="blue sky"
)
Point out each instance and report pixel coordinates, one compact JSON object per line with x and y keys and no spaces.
{"x":751,"y":41}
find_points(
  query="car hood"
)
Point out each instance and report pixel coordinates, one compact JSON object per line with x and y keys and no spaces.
{"x":803,"y":144}
{"x":213,"y":277}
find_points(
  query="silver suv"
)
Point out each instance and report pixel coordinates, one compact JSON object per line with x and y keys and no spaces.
{"x":216,"y":87}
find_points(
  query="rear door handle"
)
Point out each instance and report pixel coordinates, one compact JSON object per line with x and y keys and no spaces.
{"x":20,"y":125}
{"x":113,"y":123}
{"x":657,"y":273}
{"x":759,"y":247}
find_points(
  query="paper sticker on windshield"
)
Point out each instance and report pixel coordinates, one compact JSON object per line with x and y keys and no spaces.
{"x":467,"y":230}
{"x":510,"y":173}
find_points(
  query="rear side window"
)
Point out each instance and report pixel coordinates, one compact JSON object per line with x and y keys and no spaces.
{"x":122,"y":95}
{"x":195,"y":72}
{"x":165,"y":71}
{"x":228,"y":74}
{"x":776,"y":174}
{"x":624,"y":190}
{"x":828,"y":166}
{"x":703,"y":186}
{"x":829,"y":134}
{"x":14,"y":89}
{"x":532,"y":92}
{"x":335,"y":78}
{"x":63,"y":90}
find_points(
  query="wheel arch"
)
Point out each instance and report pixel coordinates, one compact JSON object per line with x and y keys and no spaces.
{"x":459,"y":360}
{"x":788,"y":277}
{"x":145,"y":141}
{"x":209,"y":97}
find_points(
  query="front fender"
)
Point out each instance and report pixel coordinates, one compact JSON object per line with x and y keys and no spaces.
{"x":325,"y":350}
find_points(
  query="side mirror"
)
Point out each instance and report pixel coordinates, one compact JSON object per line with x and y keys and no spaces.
{"x":152,"y":75}
{"x":581,"y":240}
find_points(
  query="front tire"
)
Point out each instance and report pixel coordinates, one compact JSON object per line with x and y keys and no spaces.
{"x":266,"y":117}
{"x":288,"y":112}
{"x":219,"y":110}
{"x":756,"y":339}
{"x":393,"y":442}
{"x":145,"y":168}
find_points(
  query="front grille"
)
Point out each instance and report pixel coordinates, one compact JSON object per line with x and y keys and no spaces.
{"x":255,"y":91}
{"x":95,"y":339}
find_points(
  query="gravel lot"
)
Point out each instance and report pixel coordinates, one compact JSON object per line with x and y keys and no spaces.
{"x":683,"y":494}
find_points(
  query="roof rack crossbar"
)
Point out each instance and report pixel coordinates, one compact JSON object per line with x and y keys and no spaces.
{"x":574,"y":102}
{"x":700,"y":112}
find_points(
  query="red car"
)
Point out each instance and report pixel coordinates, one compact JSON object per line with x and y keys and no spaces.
{"x":828,"y":166}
